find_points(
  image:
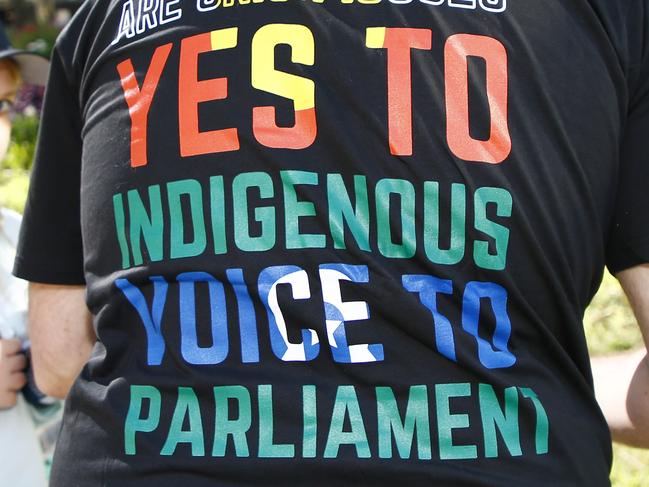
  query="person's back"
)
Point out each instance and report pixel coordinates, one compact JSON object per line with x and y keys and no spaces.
{"x":333,"y":243}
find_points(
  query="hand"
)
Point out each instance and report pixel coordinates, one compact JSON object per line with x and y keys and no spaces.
{"x":12,"y":372}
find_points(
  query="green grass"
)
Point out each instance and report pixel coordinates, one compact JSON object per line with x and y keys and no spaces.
{"x":630,"y":467}
{"x":609,"y":322}
{"x":14,"y":175}
{"x":13,"y":188}
{"x":611,"y":327}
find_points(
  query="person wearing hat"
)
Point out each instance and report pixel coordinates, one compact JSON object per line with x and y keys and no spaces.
{"x":21,"y":459}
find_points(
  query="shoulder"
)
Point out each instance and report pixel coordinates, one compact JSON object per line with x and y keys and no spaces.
{"x":88,"y":29}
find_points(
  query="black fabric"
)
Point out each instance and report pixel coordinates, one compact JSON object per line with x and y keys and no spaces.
{"x":52,"y":252}
{"x":629,"y":244}
{"x":340,"y":300}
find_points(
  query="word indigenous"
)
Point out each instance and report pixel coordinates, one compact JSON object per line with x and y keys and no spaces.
{"x":256,"y":202}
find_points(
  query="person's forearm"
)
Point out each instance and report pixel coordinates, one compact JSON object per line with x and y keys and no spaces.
{"x":61,"y":335}
{"x":622,"y":389}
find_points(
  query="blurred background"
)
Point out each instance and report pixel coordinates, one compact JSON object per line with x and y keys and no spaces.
{"x":32,"y":24}
{"x":609,"y":323}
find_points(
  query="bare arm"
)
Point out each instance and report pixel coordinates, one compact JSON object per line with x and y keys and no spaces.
{"x":61,"y":334}
{"x":622,"y":381}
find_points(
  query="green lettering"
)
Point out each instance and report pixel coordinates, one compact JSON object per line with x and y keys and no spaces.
{"x":310,"y":421}
{"x":180,"y":248}
{"x":150,"y":228}
{"x":118,"y":210}
{"x":406,"y":191}
{"x":134,"y":423}
{"x":295,"y":209}
{"x":504,"y":204}
{"x":217,"y":214}
{"x":389,"y":423}
{"x":347,"y":403}
{"x":186,"y":407}
{"x":455,"y":252}
{"x":447,"y":422}
{"x":493,"y":416}
{"x":341,"y":211}
{"x":224,"y":427}
{"x":542,"y":423}
{"x":267,"y":449}
{"x":265,"y":215}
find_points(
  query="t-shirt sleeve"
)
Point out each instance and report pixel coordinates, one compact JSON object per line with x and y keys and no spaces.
{"x":50,"y":248}
{"x":629,"y":238}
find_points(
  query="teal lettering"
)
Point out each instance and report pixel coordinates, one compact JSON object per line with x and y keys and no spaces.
{"x":341,"y":211}
{"x":264,"y":215}
{"x":493,"y":416}
{"x":347,"y":403}
{"x":542,"y":423}
{"x":186,"y":407}
{"x":175,"y":191}
{"x":217,"y":214}
{"x":310,"y":421}
{"x":225,"y":427}
{"x":406,"y":191}
{"x":434,"y":252}
{"x":118,"y":210}
{"x":267,"y":449}
{"x":134,"y":423}
{"x":145,"y":226}
{"x":295,"y":209}
{"x":447,"y":422}
{"x":504,"y":204}
{"x":389,"y":423}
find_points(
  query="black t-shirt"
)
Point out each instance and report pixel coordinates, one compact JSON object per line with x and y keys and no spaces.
{"x":340,"y":242}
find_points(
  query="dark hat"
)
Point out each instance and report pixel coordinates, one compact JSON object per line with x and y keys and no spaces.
{"x":33,"y":66}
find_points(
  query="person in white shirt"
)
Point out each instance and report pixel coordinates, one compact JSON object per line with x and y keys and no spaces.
{"x":21,"y":458}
